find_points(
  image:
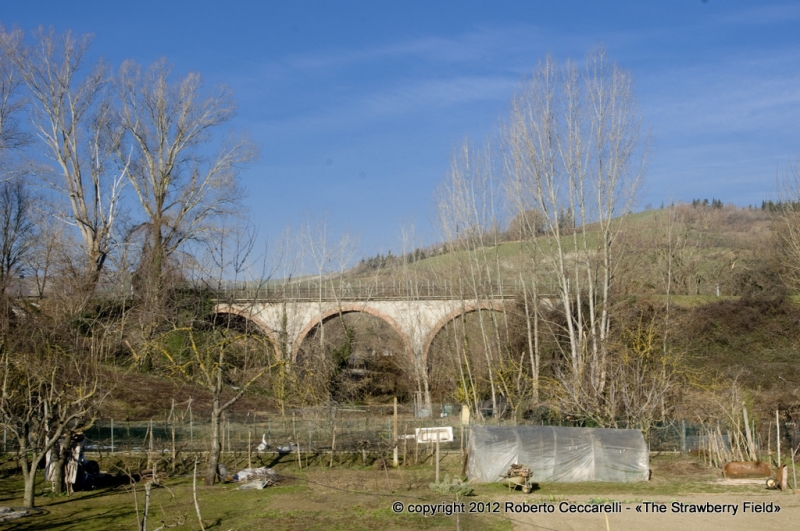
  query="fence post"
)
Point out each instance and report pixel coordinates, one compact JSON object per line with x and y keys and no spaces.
{"x":437,"y":457}
{"x":683,"y":437}
{"x":394,"y":436}
{"x":191,"y":425}
{"x":778,"y":435}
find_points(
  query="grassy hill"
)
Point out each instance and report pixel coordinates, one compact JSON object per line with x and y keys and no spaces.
{"x":747,"y":333}
{"x":726,"y":248}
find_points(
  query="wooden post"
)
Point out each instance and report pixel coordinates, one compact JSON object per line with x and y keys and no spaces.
{"x":416,"y":449}
{"x":333,"y":444}
{"x":750,"y":444}
{"x":405,"y":445}
{"x":462,"y":441}
{"x":437,"y":457}
{"x":778,"y":432}
{"x":147,"y":487}
{"x":191,"y":426}
{"x":174,"y":454}
{"x":683,"y":437}
{"x":249,"y":446}
{"x":194,"y":495}
{"x":297,"y":442}
{"x":394,"y":461}
{"x":150,"y":448}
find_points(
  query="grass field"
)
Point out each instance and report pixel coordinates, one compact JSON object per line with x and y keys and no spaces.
{"x":341,"y":498}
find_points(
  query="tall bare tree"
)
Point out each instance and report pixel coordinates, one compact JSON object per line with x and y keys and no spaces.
{"x":575,"y":154}
{"x":73,"y":117}
{"x":470,"y":216}
{"x":788,"y":227}
{"x":16,"y":225}
{"x":12,"y":136}
{"x":17,"y":230}
{"x":181,"y":185}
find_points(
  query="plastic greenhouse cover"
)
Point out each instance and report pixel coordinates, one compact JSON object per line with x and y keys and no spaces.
{"x":557,"y":453}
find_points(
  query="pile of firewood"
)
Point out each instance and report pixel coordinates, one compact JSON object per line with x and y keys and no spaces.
{"x":519,"y":471}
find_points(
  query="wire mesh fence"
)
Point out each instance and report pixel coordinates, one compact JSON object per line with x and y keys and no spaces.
{"x":348,"y":429}
{"x":371,"y":429}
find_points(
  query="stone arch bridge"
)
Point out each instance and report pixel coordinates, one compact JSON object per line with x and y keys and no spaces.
{"x":417,"y":322}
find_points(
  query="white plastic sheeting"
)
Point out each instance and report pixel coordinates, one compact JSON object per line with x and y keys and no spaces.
{"x":557,"y":453}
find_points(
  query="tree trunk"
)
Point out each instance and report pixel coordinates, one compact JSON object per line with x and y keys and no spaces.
{"x":30,"y":488}
{"x":216,"y":446}
{"x":58,"y":473}
{"x":29,"y":475}
{"x":60,"y":450}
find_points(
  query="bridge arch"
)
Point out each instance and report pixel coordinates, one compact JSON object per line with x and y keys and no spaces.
{"x":349,"y":308}
{"x":222,"y":309}
{"x":491,"y":306}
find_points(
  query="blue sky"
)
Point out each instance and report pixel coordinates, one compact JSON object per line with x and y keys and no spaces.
{"x":357,"y":105}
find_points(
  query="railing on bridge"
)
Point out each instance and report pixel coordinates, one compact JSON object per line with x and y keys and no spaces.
{"x":360,"y":290}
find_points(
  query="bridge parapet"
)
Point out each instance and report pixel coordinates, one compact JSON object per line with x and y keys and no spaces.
{"x":358,"y":290}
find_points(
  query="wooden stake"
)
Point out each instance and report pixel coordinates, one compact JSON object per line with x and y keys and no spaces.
{"x":333,"y":445}
{"x":769,"y":439}
{"x":394,"y":455}
{"x":297,"y":442}
{"x":437,"y":457}
{"x":751,"y":451}
{"x":194,"y":495}
{"x":405,"y":445}
{"x":147,"y":487}
{"x":172,"y":417}
{"x":778,"y":432}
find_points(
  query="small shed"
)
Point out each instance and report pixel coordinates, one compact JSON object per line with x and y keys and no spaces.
{"x":557,"y":453}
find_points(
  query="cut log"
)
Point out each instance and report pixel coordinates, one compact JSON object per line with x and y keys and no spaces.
{"x":746,"y":469}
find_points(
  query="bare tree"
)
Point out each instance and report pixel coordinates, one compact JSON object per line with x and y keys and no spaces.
{"x":330,"y":260}
{"x":470,"y":217}
{"x":47,"y":392}
{"x":788,"y":227}
{"x":74,"y":119}
{"x":212,"y":360}
{"x":12,"y":102}
{"x":16,"y":225}
{"x":575,"y":154}
{"x":182,"y":188}
{"x":49,"y":255}
{"x":17,"y":230}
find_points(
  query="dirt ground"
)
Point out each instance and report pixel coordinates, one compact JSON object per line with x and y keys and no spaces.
{"x":677,"y":483}
{"x":787,"y":518}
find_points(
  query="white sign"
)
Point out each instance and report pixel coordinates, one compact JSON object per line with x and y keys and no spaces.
{"x":442,"y":434}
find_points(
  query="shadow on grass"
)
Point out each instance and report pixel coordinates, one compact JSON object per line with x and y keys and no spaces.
{"x":78,"y":519}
